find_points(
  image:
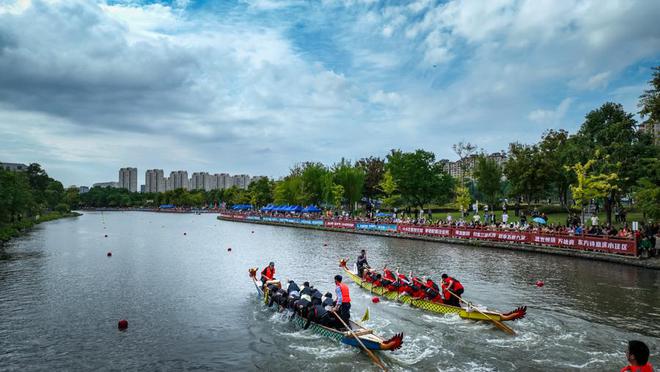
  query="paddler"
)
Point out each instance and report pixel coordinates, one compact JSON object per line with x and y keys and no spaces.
{"x":268,"y":273}
{"x":433,"y":291}
{"x":343,"y":305}
{"x":638,"y":357}
{"x":362,"y":263}
{"x":449,"y":286}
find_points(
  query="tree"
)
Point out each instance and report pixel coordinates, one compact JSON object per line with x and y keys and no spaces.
{"x":388,"y":187}
{"x":591,"y":186}
{"x":556,"y":150}
{"x":420,"y":179}
{"x":611,"y":130}
{"x":522,"y":170}
{"x":647,"y":196}
{"x":488,"y":175}
{"x":337,"y":195}
{"x":311,"y":175}
{"x":261,"y":192}
{"x":463,"y":199}
{"x":374,"y":169}
{"x":649,"y":101}
{"x":464,"y":150}
{"x":351,"y":178}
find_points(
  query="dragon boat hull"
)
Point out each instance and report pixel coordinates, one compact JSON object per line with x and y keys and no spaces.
{"x":432,"y":306}
{"x":369,"y":340}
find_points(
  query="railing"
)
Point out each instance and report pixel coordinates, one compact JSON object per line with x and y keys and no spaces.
{"x":606,"y":244}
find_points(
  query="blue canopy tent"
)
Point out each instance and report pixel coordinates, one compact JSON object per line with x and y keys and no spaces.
{"x":242,"y":207}
{"x":311,"y":209}
{"x":383,"y":214}
{"x":267,"y":208}
{"x":295,"y":209}
{"x":166,"y":206}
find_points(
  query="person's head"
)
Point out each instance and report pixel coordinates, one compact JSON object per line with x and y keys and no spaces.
{"x":271,"y":264}
{"x":444,"y":277}
{"x":306,"y":284}
{"x":328,"y":294}
{"x":363,"y":252}
{"x":637,"y":353}
{"x":338,"y":278}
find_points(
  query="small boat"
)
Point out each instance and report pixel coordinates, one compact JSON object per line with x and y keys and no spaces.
{"x":436,"y":307}
{"x":367,"y":336}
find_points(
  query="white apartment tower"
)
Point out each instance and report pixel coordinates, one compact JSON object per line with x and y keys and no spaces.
{"x":154,"y":180}
{"x":128,"y":179}
{"x":178,"y":180}
{"x":242,"y":181}
{"x":202,"y":181}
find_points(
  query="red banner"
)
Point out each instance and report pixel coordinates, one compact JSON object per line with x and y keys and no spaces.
{"x":339,"y":224}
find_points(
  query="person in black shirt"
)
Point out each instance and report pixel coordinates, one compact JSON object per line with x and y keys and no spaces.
{"x":362,"y":263}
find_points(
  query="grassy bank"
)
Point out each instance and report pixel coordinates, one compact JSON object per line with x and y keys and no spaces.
{"x":13,"y":230}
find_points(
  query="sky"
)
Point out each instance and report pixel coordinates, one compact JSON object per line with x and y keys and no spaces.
{"x":255,"y":86}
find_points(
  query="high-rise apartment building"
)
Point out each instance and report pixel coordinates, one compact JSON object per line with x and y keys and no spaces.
{"x":154,"y":181}
{"x":223,"y":181}
{"x":242,"y":181}
{"x":179,"y":180}
{"x":128,"y":179}
{"x":202,"y":181}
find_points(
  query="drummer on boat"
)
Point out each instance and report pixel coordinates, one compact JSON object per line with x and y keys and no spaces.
{"x":362,"y":263}
{"x":268,"y":273}
{"x":343,"y":305}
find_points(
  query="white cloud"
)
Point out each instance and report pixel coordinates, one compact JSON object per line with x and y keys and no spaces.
{"x":551,"y":117}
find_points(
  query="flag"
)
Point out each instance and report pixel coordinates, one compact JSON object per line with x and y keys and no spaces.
{"x":365,"y":317}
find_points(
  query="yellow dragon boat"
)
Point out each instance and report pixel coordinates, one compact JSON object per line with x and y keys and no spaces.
{"x":470,"y":312}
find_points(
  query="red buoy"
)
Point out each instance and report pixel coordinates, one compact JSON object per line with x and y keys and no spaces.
{"x":375,"y":300}
{"x":109,"y":254}
{"x":123,"y":324}
{"x":539,"y":283}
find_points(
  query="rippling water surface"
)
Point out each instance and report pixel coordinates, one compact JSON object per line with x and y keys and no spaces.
{"x":191,"y":305}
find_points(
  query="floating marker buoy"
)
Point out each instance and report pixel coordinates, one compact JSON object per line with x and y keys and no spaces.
{"x":228,"y":249}
{"x":123,"y":324}
{"x":375,"y":300}
{"x":184,"y":234}
{"x":539,"y":283}
{"x":106,"y":235}
{"x":109,"y":254}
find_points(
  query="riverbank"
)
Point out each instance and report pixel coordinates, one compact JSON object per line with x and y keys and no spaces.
{"x":18,"y":228}
{"x":650,"y":263}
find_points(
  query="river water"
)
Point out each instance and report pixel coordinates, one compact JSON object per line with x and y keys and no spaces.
{"x":190,"y":304}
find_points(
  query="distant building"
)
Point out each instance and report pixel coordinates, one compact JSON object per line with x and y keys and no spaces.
{"x":653,"y":129}
{"x":128,"y":179}
{"x":465,"y":168}
{"x":223,"y":181}
{"x":83,"y":189}
{"x":179,"y":180}
{"x":142,"y":188}
{"x":242,"y":181}
{"x":154,"y":181}
{"x":202,"y":181}
{"x":14,"y":167}
{"x":106,"y":184}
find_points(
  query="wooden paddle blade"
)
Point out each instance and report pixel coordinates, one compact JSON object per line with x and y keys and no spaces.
{"x":503,"y":327}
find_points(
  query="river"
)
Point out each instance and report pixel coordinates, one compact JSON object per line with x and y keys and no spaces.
{"x":190,"y":304}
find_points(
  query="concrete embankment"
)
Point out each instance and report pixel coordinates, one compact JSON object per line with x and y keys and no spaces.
{"x":650,"y":263}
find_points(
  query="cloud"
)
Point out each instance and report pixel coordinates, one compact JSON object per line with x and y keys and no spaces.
{"x":551,"y":117}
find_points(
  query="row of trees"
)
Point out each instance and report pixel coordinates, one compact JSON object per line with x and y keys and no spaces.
{"x":31,"y":193}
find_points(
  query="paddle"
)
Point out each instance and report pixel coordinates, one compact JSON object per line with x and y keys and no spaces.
{"x":497,"y":323}
{"x":373,"y":357}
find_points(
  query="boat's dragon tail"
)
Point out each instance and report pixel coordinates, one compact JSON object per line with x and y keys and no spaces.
{"x":393,"y":343}
{"x":516,"y":314}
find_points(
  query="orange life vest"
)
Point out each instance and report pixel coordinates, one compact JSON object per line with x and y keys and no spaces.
{"x":645,"y":368}
{"x":268,"y":273}
{"x":345,"y":296}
